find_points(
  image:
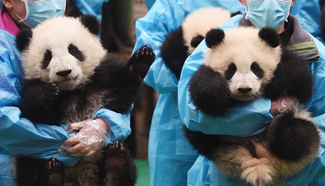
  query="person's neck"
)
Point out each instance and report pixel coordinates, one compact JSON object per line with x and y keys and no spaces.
{"x":16,"y":19}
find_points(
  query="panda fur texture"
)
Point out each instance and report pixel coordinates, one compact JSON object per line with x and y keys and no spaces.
{"x":179,"y":44}
{"x":240,"y":65}
{"x":69,"y":76}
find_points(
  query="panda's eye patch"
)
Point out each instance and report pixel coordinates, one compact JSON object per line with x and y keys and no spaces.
{"x":256,"y":69}
{"x":230,"y":72}
{"x":46,"y":59}
{"x":73,"y":50}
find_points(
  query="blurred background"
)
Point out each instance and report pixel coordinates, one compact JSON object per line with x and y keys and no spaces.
{"x":118,"y":37}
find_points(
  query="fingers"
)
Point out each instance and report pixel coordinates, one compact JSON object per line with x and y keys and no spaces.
{"x":71,"y":141}
{"x":75,"y":126}
{"x":81,"y":153}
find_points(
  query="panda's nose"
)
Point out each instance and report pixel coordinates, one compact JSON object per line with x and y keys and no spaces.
{"x":244,"y":90}
{"x":64,"y":73}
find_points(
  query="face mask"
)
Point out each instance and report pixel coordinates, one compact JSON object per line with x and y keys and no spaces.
{"x":268,"y":13}
{"x":38,"y":11}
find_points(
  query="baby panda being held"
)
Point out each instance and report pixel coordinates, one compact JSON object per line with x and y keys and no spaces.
{"x":242,"y":64}
{"x":69,"y":76}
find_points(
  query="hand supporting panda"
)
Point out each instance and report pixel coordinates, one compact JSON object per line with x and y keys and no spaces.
{"x":92,"y":136}
{"x":37,"y":100}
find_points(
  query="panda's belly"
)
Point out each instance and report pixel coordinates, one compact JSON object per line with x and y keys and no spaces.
{"x":80,"y":106}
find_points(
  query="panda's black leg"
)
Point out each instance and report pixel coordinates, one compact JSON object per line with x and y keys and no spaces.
{"x":141,"y":60}
{"x":26,"y":171}
{"x":119,"y":167}
{"x":54,"y":170}
{"x":292,"y":138}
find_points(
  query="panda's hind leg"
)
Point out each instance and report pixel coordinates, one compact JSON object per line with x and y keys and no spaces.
{"x":119,"y":167}
{"x":141,"y":60}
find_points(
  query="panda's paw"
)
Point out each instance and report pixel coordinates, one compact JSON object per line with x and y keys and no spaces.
{"x":116,"y":149}
{"x":51,"y":93}
{"x":142,"y":59}
{"x":55,"y":172}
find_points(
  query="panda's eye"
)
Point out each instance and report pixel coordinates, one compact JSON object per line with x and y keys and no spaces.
{"x":230,"y":72}
{"x":75,"y":52}
{"x":256,"y":69}
{"x":46,"y":59}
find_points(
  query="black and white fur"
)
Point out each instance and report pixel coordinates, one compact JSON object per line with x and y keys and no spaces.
{"x":180,"y":43}
{"x":69,"y":76}
{"x":240,"y":65}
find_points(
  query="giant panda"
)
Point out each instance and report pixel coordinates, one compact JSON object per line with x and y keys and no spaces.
{"x":240,"y":65}
{"x":180,"y":43}
{"x":69,"y":76}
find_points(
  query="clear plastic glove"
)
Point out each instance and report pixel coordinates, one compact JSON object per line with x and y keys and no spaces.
{"x":92,"y":137}
{"x":283,"y":104}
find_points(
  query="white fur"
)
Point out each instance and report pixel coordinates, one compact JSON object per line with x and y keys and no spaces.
{"x":201,"y":21}
{"x":63,"y":31}
{"x":242,"y":46}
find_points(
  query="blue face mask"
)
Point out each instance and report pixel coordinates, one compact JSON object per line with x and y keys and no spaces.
{"x":37,"y":11}
{"x":268,"y":13}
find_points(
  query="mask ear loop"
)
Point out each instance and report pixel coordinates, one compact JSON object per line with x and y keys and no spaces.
{"x":27,"y":12}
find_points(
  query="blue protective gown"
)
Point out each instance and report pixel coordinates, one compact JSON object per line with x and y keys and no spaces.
{"x":93,"y":7}
{"x":308,"y":12}
{"x":149,"y":3}
{"x":246,"y":120}
{"x":19,"y":136}
{"x":170,"y":154}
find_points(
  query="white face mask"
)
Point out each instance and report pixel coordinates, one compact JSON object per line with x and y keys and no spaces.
{"x":38,"y":11}
{"x":268,"y":13}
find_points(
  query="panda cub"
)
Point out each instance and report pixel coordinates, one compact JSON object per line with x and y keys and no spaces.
{"x":69,"y":76}
{"x":180,"y":43}
{"x":240,"y":65}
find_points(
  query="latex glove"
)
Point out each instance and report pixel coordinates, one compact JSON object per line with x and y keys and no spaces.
{"x":283,"y":104}
{"x":92,"y":137}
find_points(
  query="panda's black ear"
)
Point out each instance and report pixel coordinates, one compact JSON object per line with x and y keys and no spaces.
{"x":270,"y":36}
{"x":91,"y":23}
{"x":196,"y":41}
{"x":214,"y":37}
{"x":23,"y":39}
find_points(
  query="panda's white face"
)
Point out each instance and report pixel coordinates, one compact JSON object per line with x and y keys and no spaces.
{"x":245,"y":61}
{"x":64,"y":52}
{"x":198,"y":23}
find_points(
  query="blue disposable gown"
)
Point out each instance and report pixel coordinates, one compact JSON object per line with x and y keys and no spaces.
{"x":247,"y":120}
{"x":150,"y":3}
{"x":93,"y":7}
{"x":308,"y":12}
{"x":170,"y":154}
{"x":18,"y":136}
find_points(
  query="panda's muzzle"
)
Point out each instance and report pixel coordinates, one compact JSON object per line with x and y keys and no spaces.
{"x":244,"y":90}
{"x":64,"y":73}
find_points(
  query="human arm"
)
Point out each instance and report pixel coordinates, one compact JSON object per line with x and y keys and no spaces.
{"x":152,"y":30}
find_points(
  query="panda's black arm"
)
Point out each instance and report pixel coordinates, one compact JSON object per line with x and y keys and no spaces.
{"x":292,"y":77}
{"x":123,"y":80}
{"x":38,"y":102}
{"x":210,"y":92}
{"x":174,"y":52}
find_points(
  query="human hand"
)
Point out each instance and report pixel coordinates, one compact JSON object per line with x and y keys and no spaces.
{"x":283,"y":104}
{"x":92,"y":137}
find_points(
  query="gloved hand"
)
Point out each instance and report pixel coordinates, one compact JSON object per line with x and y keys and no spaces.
{"x":283,"y":104}
{"x":92,"y":137}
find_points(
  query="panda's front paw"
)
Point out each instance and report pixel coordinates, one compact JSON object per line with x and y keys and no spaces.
{"x":50,"y":93}
{"x":142,"y":59}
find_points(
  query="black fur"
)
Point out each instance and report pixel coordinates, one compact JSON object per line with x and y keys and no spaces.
{"x":233,"y":14}
{"x":292,"y":77}
{"x":73,"y":50}
{"x":196,"y":41}
{"x":270,"y":36}
{"x":46,"y":59}
{"x":214,"y":37}
{"x":230,"y":72}
{"x":174,"y":52}
{"x":256,"y":69}
{"x":91,"y":23}
{"x":45,"y":103}
{"x":210,"y":92}
{"x":291,"y":138}
{"x":322,"y":21}
{"x":23,"y":39}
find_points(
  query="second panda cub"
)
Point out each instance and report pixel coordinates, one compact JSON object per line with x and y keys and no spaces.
{"x":240,"y":65}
